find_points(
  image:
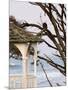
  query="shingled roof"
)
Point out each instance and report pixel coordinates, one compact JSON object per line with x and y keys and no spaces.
{"x":20,"y":35}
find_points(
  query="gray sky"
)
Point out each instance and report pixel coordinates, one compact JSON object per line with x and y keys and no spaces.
{"x":22,"y":10}
{"x":25,"y":11}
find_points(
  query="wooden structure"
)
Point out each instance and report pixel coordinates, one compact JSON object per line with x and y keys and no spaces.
{"x":22,"y":39}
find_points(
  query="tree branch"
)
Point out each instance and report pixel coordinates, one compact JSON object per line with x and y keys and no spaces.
{"x":50,"y":62}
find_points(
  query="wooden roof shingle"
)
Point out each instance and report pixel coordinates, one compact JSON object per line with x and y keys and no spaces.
{"x":20,"y":35}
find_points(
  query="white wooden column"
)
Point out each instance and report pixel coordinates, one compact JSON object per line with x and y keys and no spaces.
{"x":27,"y":80}
{"x":23,"y":49}
{"x":35,"y":57}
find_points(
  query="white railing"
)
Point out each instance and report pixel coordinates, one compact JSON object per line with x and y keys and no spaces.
{"x":19,"y":81}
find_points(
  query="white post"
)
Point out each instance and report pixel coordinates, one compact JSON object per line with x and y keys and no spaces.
{"x":23,"y":49}
{"x":25,"y":66}
{"x":35,"y":65}
{"x":27,"y":80}
{"x":35,"y":57}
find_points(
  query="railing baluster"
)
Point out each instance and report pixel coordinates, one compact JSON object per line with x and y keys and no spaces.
{"x":18,"y":81}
